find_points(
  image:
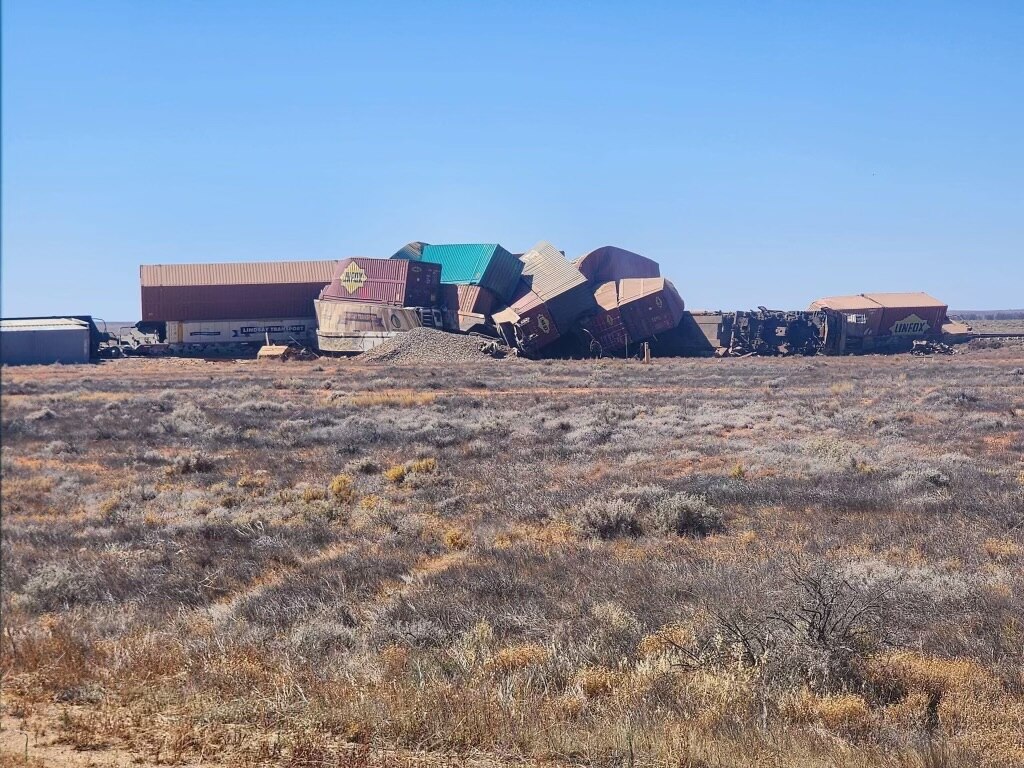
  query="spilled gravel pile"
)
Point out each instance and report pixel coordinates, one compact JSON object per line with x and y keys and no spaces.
{"x":429,"y":346}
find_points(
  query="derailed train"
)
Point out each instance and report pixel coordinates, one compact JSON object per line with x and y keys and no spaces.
{"x":605,"y":303}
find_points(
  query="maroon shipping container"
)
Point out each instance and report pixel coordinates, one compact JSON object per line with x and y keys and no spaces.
{"x":649,"y":306}
{"x":608,"y":263}
{"x":253,"y":290}
{"x":604,"y":328}
{"x":527,"y":321}
{"x":399,"y":282}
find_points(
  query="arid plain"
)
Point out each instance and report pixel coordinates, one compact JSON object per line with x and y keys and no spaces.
{"x":794,"y":562}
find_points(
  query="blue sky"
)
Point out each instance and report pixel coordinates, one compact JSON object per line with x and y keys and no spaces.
{"x":764,"y":152}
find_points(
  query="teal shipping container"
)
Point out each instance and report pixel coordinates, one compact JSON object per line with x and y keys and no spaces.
{"x":486,"y":265}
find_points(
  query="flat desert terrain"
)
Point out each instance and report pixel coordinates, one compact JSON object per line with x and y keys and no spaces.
{"x":795,"y":562}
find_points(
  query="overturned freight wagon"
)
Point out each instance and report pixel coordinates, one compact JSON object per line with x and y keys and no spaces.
{"x":350,"y":327}
{"x":883,"y":322}
{"x":526,"y":323}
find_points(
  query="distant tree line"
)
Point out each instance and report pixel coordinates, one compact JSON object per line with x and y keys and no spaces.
{"x":989,"y":314}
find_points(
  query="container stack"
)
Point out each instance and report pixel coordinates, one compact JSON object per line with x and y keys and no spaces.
{"x":370,"y":300}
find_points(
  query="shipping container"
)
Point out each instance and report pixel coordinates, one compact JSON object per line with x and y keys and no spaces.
{"x":187,"y":292}
{"x":527,"y":323}
{"x":649,"y":306}
{"x":561,"y":286}
{"x":603,"y":330}
{"x":400,"y":282}
{"x":886,"y":321}
{"x":487,"y":265}
{"x":246,"y":331}
{"x":413,"y":251}
{"x":466,"y":306}
{"x":348,"y":326}
{"x":44,"y":341}
{"x":610,"y":264}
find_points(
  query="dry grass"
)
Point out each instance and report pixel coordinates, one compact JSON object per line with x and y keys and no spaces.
{"x":694,"y":563}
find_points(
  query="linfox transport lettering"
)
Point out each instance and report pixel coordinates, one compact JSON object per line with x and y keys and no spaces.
{"x":909,"y":325}
{"x":353,"y":278}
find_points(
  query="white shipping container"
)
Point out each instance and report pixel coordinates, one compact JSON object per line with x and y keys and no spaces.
{"x":282,"y":330}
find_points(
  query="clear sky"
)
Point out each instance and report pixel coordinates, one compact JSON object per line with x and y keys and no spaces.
{"x":763,"y":152}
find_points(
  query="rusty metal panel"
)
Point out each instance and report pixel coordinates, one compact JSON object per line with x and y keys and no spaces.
{"x":527,"y":321}
{"x":559,"y":284}
{"x":603,"y":330}
{"x":609,"y":263}
{"x":385,"y":281}
{"x":349,"y":316}
{"x":192,"y":292}
{"x":649,"y":306}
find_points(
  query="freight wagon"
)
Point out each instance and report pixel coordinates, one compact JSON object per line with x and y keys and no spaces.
{"x":349,"y":327}
{"x":885,"y":322}
{"x":286,"y":330}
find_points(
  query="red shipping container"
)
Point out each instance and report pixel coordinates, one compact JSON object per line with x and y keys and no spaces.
{"x":649,"y":306}
{"x":399,"y":282}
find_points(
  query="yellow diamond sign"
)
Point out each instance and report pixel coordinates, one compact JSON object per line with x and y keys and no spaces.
{"x":353,"y":277}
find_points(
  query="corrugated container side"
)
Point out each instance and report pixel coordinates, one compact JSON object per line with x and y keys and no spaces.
{"x":237,"y":273}
{"x":350,"y":317}
{"x":226,"y":302}
{"x":649,"y":306}
{"x":605,"y":325}
{"x":385,"y":281}
{"x":534,"y":328}
{"x":488,"y":265}
{"x":460,"y":300}
{"x":609,"y":263}
{"x":606,"y":328}
{"x":561,"y":285}
{"x":68,"y":345}
{"x":413,"y":251}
